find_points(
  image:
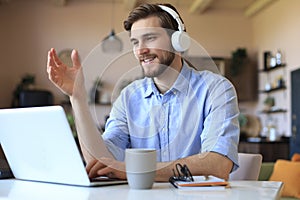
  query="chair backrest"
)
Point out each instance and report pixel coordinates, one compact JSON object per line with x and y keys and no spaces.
{"x":249,"y":167}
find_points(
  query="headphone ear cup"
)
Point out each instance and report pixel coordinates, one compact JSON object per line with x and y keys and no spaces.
{"x":180,"y":41}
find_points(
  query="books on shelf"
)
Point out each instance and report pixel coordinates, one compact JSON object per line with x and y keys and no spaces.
{"x":202,"y":183}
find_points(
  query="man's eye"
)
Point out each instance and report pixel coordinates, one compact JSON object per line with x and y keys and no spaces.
{"x":134,"y":43}
{"x":150,"y":38}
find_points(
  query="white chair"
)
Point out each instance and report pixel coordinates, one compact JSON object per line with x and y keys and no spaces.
{"x":249,"y":167}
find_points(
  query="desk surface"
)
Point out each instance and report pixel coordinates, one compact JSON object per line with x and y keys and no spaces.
{"x":26,"y":190}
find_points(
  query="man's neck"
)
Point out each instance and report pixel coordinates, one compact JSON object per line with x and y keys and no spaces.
{"x":166,"y":80}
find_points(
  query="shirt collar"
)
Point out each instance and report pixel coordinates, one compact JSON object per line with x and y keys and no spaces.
{"x":150,"y":88}
{"x":181,"y":84}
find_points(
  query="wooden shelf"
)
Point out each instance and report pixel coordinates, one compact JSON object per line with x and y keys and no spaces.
{"x":273,"y":68}
{"x":273,"y":89}
{"x":281,"y":86}
{"x":274,"y":111}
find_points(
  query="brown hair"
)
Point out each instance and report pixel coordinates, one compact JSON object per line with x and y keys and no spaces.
{"x":149,"y":10}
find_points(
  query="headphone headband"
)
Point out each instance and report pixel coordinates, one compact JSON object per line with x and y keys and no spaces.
{"x":174,"y":15}
{"x":180,"y":39}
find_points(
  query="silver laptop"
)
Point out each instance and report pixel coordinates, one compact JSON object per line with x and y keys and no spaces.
{"x":39,"y":146}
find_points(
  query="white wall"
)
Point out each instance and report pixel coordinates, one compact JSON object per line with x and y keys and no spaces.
{"x":30,"y":28}
{"x":278,"y":27}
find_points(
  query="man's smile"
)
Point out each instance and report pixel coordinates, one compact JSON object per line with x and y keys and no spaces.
{"x":147,"y":59}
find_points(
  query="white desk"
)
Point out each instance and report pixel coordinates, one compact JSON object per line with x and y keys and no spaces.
{"x":25,"y":190}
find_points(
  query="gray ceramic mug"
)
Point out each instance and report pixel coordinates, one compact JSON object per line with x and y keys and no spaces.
{"x":140,"y":167}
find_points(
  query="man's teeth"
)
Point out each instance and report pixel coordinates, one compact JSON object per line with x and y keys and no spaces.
{"x":148,"y":60}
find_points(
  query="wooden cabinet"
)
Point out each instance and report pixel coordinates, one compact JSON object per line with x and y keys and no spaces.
{"x":245,"y":82}
{"x":271,"y":151}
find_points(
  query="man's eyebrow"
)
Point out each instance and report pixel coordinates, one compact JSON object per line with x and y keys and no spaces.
{"x":150,"y":34}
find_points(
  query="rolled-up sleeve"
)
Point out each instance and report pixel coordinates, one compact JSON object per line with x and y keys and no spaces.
{"x":221,"y":126}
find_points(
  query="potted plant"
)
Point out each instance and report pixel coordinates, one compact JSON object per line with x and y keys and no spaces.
{"x":238,"y":59}
{"x":269,"y":103}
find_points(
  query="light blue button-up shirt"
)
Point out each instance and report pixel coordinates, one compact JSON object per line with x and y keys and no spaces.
{"x":198,"y":114}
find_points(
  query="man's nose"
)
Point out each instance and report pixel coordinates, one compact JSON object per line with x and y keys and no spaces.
{"x":142,"y":49}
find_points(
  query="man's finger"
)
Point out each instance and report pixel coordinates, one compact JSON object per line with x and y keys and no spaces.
{"x":93,"y":171}
{"x":55,"y":58}
{"x":75,"y":59}
{"x":90,"y":165}
{"x":50,"y":62}
{"x":105,"y":171}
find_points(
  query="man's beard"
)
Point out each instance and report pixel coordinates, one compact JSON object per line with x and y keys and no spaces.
{"x":164,"y":63}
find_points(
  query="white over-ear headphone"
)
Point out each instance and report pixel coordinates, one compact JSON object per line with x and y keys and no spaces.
{"x":180,"y":39}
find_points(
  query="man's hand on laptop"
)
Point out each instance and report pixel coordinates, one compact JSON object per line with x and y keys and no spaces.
{"x":106,"y":167}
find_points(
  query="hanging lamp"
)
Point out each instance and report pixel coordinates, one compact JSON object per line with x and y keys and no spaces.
{"x":112,"y":43}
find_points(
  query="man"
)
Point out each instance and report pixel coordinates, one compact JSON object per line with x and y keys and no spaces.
{"x":189,"y":116}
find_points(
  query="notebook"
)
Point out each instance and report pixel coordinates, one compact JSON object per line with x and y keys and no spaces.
{"x":203,"y":183}
{"x":39,"y":146}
